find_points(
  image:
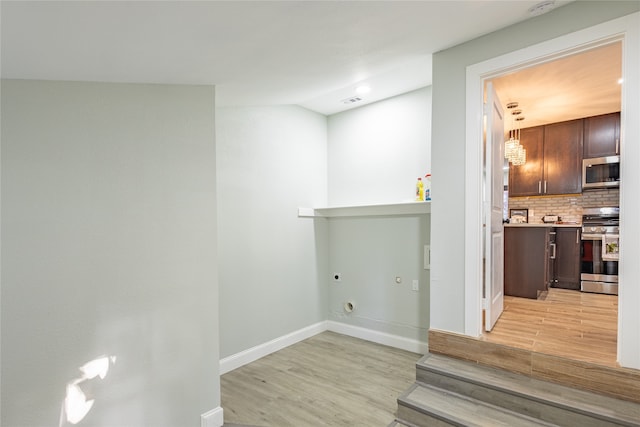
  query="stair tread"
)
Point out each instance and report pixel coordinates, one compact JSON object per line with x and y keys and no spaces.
{"x":543,"y":391}
{"x":462,"y":410}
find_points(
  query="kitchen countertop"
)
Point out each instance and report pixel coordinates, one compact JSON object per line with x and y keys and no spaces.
{"x":550,"y":225}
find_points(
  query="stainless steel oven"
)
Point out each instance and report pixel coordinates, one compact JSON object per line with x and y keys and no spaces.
{"x":599,"y":250}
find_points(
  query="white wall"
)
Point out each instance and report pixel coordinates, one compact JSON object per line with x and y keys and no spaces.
{"x":108,"y":248}
{"x":274,"y":266}
{"x":273,"y":272}
{"x":448,"y":149}
{"x":370,"y":252}
{"x":377,"y":152}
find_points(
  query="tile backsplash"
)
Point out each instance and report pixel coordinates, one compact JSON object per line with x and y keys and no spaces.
{"x":568,"y":207}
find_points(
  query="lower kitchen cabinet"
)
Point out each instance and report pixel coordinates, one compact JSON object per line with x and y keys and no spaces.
{"x":567,"y":262}
{"x":526,"y":261}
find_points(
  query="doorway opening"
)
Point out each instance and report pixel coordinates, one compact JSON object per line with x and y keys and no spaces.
{"x":620,"y":30}
{"x":558,"y":318}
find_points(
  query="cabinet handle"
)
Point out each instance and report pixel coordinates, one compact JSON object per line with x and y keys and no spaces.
{"x":553,"y":246}
{"x":617,"y":145}
{"x":539,"y":187}
{"x":577,"y":236}
{"x":545,"y":186}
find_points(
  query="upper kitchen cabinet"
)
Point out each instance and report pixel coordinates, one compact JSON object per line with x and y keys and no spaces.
{"x":602,"y":135}
{"x":526,"y":180}
{"x":563,"y":158}
{"x":554,"y":161}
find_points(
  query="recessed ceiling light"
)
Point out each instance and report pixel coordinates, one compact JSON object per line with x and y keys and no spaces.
{"x":362,"y":89}
{"x":542,"y":7}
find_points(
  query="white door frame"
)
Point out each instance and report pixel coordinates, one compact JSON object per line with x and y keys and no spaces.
{"x":625,"y":29}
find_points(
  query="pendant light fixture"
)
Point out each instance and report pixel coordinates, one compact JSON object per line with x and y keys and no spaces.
{"x":513,"y":150}
{"x":521,"y":153}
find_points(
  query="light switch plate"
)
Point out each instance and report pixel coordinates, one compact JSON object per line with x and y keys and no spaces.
{"x":427,"y":257}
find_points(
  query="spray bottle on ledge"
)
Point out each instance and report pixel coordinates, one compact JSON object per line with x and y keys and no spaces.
{"x":427,"y":187}
{"x":419,"y":190}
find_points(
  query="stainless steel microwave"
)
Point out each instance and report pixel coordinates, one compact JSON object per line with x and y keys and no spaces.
{"x":601,"y":172}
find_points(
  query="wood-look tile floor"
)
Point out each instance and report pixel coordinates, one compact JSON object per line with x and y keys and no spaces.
{"x":327,"y":380}
{"x":572,"y":324}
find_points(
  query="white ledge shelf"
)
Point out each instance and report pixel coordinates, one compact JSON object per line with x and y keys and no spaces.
{"x":403,"y":208}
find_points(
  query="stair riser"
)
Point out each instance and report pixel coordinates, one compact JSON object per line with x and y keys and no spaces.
{"x":401,"y":423}
{"x":515,"y":403}
{"x":420,"y":419}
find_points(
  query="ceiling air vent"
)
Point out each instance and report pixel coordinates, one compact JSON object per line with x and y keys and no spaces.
{"x":542,"y":7}
{"x":351,"y":100}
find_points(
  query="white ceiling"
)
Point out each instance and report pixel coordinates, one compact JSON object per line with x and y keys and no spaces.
{"x":310,"y":53}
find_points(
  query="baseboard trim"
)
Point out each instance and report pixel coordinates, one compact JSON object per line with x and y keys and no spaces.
{"x":212,"y":418}
{"x":252,"y":354}
{"x":378,"y":337}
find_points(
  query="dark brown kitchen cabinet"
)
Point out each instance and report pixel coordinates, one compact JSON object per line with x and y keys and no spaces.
{"x":554,"y":161}
{"x":567,"y":261}
{"x":563,"y":158}
{"x":602,"y":135}
{"x":526,"y":180}
{"x":526,"y":261}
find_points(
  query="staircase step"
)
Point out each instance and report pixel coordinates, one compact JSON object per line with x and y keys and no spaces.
{"x":538,"y":399}
{"x":399,"y":423}
{"x":424,"y":405}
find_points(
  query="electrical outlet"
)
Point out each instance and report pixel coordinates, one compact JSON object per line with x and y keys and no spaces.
{"x":337,"y":277}
{"x":416,"y":285}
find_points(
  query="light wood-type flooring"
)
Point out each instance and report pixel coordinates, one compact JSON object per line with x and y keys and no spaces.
{"x":327,"y":380}
{"x":579,"y":326}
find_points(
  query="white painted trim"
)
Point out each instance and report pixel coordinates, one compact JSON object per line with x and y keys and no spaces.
{"x":399,"y":208}
{"x":212,"y":418}
{"x":626,"y":29}
{"x":629,"y":273}
{"x":379,"y":337}
{"x":252,"y":354}
{"x":473,"y":277}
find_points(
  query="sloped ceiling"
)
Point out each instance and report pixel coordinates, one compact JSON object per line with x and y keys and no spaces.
{"x":310,"y":53}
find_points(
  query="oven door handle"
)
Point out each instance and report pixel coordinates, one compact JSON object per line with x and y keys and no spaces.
{"x":592,"y":236}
